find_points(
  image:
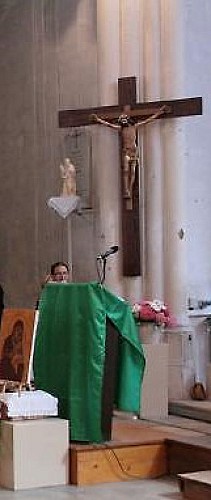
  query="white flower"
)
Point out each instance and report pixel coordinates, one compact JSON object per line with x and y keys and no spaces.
{"x":157,"y":305}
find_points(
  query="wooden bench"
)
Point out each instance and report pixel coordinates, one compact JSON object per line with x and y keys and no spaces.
{"x":196,"y":486}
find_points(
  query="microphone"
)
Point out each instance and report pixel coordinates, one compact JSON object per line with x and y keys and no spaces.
{"x":111,"y":250}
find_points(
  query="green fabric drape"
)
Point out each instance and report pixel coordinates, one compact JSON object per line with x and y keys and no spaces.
{"x":69,"y":354}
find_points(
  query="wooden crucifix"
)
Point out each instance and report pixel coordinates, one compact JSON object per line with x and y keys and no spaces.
{"x":114,"y":116}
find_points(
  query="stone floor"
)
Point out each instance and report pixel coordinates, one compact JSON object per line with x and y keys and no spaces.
{"x":161,"y":489}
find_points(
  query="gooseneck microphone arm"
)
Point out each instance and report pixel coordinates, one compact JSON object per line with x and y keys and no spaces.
{"x":108,"y":252}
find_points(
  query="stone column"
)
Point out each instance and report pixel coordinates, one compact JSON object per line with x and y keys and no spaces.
{"x":106,"y":140}
{"x":153,"y":164}
{"x":172,"y":86}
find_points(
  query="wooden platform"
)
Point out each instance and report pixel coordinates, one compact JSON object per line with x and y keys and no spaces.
{"x":135,"y":452}
{"x":139,"y":450}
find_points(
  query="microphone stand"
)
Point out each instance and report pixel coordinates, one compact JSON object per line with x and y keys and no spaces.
{"x":102,"y":270}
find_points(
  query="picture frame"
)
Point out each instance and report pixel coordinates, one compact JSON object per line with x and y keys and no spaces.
{"x":16,"y":341}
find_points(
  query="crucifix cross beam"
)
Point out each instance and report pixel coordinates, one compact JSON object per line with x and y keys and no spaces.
{"x":139,"y":114}
{"x":84,"y":117}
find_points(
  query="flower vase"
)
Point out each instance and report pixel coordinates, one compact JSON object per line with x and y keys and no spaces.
{"x":150,"y":333}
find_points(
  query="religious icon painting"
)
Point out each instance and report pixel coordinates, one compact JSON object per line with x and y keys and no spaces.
{"x":16,"y":339}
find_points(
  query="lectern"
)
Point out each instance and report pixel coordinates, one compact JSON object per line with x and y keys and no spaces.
{"x":88,"y":354}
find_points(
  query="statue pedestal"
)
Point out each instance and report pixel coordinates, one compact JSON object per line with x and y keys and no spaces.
{"x":64,"y":206}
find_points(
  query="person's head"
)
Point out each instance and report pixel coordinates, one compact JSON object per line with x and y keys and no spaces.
{"x":67,"y":162}
{"x":125,"y":120}
{"x":60,"y":272}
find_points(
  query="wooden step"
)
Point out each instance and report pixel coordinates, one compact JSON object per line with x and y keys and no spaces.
{"x":111,"y":463}
{"x":196,"y":486}
{"x":198,"y":410}
{"x":188,"y":455}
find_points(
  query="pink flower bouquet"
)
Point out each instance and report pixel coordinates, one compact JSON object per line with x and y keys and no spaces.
{"x":155,"y":312}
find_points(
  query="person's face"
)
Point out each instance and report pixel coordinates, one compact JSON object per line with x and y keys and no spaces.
{"x":61,"y":274}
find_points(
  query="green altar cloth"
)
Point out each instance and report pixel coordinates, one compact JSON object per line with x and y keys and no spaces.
{"x":69,"y":354}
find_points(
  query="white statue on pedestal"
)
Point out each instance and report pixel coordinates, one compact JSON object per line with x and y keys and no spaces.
{"x":68,"y":175}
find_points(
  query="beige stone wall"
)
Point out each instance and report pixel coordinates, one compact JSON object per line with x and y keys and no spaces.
{"x":47,"y":62}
